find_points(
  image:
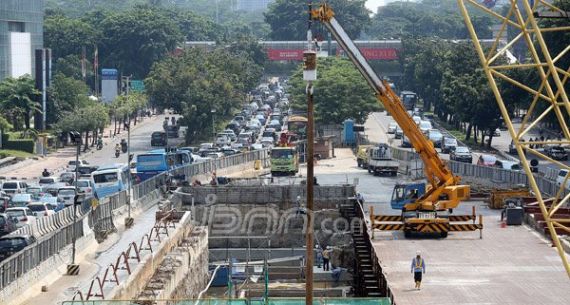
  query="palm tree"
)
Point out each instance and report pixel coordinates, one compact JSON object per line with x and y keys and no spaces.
{"x":18,"y":100}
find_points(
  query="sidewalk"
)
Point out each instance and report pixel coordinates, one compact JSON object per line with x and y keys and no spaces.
{"x":57,"y":161}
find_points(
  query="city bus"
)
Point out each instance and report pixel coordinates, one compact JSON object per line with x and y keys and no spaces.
{"x":158,"y":161}
{"x":297,"y":125}
{"x":284,"y":161}
{"x":110,"y":179}
{"x":409,"y":99}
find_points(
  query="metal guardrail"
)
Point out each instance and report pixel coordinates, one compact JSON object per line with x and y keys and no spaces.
{"x":55,"y":232}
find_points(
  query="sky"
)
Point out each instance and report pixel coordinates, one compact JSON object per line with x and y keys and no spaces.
{"x":374,"y":4}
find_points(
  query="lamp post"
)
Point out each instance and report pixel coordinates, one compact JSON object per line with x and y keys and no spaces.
{"x":73,"y":268}
{"x":129,"y":220}
{"x":213,"y":111}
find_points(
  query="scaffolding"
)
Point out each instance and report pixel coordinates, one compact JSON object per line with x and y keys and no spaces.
{"x":524,"y":23}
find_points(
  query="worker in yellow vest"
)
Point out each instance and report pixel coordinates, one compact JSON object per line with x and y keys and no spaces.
{"x":418,"y":268}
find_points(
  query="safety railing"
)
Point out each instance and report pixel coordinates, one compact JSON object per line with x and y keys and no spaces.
{"x":55,"y":232}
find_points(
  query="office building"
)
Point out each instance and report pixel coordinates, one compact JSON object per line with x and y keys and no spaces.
{"x":21,"y":33}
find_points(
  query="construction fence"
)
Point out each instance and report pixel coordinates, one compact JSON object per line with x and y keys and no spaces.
{"x":55,"y":232}
{"x":251,"y":301}
{"x":496,"y":176}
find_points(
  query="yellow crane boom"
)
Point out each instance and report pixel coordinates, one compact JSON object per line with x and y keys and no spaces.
{"x":444,"y":192}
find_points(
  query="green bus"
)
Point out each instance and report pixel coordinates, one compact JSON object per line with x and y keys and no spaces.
{"x":284,"y":161}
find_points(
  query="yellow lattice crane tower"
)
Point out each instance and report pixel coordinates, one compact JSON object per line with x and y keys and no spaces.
{"x":523,"y":22}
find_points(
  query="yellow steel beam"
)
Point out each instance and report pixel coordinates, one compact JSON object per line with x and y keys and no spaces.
{"x":551,"y":90}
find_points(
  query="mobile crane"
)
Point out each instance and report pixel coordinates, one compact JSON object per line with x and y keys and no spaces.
{"x":425,"y":209}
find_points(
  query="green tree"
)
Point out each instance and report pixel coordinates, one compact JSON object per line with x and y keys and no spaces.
{"x":66,"y":94}
{"x":67,"y":36}
{"x":133,"y":40}
{"x":288,"y":18}
{"x":340,"y":92}
{"x":18,"y":100}
{"x":196,"y":82}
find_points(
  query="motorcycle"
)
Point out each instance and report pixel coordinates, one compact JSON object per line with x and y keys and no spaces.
{"x":99,"y":144}
{"x":124,"y":145}
{"x":117,"y":153}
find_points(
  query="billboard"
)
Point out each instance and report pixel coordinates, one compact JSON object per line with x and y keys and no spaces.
{"x":376,"y":53}
{"x":109,"y":85}
{"x":284,"y":54}
{"x":20,"y":54}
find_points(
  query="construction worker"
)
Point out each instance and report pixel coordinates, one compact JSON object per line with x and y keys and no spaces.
{"x":326,"y":258}
{"x":418,"y":267}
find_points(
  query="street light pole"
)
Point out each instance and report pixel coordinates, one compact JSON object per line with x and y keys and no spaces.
{"x":73,"y":268}
{"x":214,"y":125}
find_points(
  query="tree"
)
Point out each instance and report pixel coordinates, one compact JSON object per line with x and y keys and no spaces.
{"x":196,"y":82}
{"x":133,"y":40}
{"x":18,"y":100}
{"x":67,"y":36}
{"x":66,"y":94}
{"x":288,"y":18}
{"x":340,"y":93}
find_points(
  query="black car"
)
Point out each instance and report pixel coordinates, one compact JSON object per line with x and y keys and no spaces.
{"x":556,"y":152}
{"x":7,"y":224}
{"x":86,"y":170}
{"x":461,"y":154}
{"x":13,"y":244}
{"x":158,"y":138}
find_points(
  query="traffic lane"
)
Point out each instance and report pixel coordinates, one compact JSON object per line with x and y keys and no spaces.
{"x":140,"y":142}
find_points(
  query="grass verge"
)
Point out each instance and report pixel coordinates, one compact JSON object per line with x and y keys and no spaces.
{"x":14,"y":153}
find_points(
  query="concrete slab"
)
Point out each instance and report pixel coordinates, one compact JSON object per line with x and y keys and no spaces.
{"x":511,"y":265}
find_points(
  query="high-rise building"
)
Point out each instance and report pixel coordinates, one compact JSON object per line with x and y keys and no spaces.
{"x":252,"y":5}
{"x":21,"y":33}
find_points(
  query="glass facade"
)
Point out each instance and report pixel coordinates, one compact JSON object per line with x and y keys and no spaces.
{"x":24,"y":16}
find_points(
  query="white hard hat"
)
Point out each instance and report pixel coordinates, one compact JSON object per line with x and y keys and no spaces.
{"x":418,"y":253}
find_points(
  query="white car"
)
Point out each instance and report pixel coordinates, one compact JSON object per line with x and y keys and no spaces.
{"x":562,"y":176}
{"x":14,"y":187}
{"x":48,"y":180}
{"x":392,"y":127}
{"x":85,"y":186}
{"x":215,"y":155}
{"x":267,"y":141}
{"x":25,"y":215}
{"x":71,"y":164}
{"x":425,"y":126}
{"x":256,"y":146}
{"x":41,"y":209}
{"x":223,"y":140}
{"x":417,"y":119}
{"x":66,"y":195}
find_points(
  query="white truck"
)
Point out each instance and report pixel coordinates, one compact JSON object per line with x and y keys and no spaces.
{"x":380,"y":161}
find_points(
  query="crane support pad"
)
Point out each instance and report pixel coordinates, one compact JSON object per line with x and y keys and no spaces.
{"x":465,"y":227}
{"x":388,"y":218}
{"x":462,"y":217}
{"x":387,"y":227}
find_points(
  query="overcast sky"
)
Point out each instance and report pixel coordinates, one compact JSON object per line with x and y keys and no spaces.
{"x":374,"y":4}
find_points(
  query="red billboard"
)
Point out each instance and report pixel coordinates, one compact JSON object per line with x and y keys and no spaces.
{"x":376,"y":53}
{"x":284,"y":54}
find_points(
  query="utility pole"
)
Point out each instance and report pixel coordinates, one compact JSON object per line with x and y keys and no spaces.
{"x":129,"y":220}
{"x":309,"y":75}
{"x":73,"y":268}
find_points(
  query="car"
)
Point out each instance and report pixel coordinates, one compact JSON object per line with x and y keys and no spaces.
{"x":7,"y":224}
{"x":172,"y":131}
{"x":21,"y":200}
{"x":417,"y":119}
{"x":48,"y":180}
{"x":24,"y":215}
{"x":435,"y":136}
{"x":215,"y":155}
{"x":425,"y":126}
{"x":190,"y":149}
{"x":66,"y":194}
{"x":231,"y":134}
{"x":86,"y":170}
{"x":269,"y":134}
{"x":14,"y":243}
{"x":85,"y":186}
{"x":275,"y":125}
{"x":222,"y":140}
{"x":67,"y":177}
{"x":34,"y":190}
{"x":267,"y":141}
{"x":448,"y":144}
{"x":72,"y":163}
{"x":240,"y":120}
{"x":14,"y":187}
{"x":257,"y":146}
{"x":461,"y":154}
{"x":228,"y":151}
{"x":53,"y":201}
{"x":205,"y":146}
{"x":510,"y":165}
{"x":158,"y":138}
{"x":392,"y":127}
{"x":556,"y":152}
{"x":399,"y":133}
{"x":4,"y":203}
{"x":406,"y":142}
{"x":246,"y":135}
{"x":41,"y":209}
{"x":53,"y":188}
{"x":487,"y":160}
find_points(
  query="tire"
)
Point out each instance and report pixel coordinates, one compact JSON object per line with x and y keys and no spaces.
{"x":369,"y":170}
